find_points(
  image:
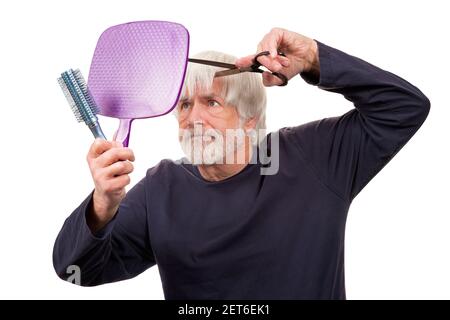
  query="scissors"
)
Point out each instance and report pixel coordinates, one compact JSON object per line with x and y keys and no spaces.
{"x":232,"y":69}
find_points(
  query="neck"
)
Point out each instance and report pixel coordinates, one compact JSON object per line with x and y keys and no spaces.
{"x":218,"y":172}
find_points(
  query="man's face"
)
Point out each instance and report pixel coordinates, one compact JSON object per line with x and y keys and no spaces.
{"x":205,"y":120}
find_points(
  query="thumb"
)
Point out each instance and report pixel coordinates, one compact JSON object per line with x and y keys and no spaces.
{"x":269,"y":80}
{"x":246,"y":61}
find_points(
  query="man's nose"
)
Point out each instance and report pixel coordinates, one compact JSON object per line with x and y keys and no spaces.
{"x":196,"y":114}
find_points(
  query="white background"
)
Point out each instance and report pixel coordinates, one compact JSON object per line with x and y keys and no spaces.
{"x":397,"y":241}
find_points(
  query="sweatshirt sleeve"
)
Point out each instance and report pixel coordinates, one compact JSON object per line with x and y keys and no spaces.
{"x":121,"y":250}
{"x":347,"y":151}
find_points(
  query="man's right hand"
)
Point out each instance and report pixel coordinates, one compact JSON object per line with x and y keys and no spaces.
{"x":110,"y":165}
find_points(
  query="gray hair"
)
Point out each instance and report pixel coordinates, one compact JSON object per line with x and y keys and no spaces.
{"x":245,"y":91}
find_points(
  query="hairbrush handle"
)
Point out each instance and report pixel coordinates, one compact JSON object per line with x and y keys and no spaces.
{"x":97,"y":130}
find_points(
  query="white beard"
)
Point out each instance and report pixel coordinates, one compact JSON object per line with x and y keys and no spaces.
{"x":211,"y":147}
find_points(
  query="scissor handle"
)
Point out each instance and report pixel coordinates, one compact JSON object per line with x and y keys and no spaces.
{"x":265,"y":53}
{"x":256,"y":64}
{"x":282,"y":77}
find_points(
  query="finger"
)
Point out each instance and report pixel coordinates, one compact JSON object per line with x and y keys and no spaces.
{"x":98,"y":147}
{"x":120,"y":181}
{"x":247,"y":61}
{"x":244,"y":61}
{"x":271,"y":42}
{"x":285,"y":62}
{"x":113,"y":155}
{"x":119,"y":168}
{"x":270,"y":63}
{"x":269,"y":80}
{"x":264,"y":45}
{"x":117,"y":183}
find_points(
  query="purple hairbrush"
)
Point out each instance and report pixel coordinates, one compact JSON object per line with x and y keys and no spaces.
{"x":138,"y":70}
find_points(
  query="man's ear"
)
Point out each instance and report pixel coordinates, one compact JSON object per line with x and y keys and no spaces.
{"x":250,"y":124}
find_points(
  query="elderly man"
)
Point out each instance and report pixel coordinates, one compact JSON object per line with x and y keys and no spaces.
{"x":222,"y":229}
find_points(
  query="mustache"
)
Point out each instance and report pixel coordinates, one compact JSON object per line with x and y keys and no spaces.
{"x":191,"y":133}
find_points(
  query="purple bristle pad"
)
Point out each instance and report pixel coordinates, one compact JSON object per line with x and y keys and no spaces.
{"x":138,"y":70}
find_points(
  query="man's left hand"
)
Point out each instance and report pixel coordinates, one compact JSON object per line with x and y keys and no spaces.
{"x":301,"y":55}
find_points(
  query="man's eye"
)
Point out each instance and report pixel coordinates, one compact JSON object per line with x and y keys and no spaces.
{"x":213,"y":103}
{"x":184,"y":105}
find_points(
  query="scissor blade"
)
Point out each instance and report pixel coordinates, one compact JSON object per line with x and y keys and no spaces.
{"x":213,"y":63}
{"x":227,"y":72}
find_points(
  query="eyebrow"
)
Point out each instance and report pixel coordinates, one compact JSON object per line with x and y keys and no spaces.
{"x":206,"y":96}
{"x":183,"y":99}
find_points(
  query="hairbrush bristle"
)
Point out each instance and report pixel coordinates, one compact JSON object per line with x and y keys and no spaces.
{"x":77,"y":94}
{"x":80,"y":100}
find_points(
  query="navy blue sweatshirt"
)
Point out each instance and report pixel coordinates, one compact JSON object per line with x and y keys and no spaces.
{"x":254,"y":236}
